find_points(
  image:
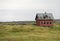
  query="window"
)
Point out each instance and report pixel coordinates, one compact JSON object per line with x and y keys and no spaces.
{"x":44,"y":22}
{"x":41,"y":22}
{"x":47,"y":22}
{"x":50,"y":22}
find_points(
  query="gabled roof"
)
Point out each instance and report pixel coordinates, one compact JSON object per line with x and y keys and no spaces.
{"x":44,"y":16}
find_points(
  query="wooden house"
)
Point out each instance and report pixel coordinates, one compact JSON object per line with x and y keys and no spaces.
{"x":44,"y":19}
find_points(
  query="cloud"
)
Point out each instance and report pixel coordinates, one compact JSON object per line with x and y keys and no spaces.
{"x":26,"y":9}
{"x":27,"y":4}
{"x":17,"y":15}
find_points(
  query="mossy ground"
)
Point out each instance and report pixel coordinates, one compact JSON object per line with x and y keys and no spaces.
{"x":29,"y":33}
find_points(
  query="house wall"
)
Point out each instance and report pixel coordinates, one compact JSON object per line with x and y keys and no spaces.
{"x":41,"y":22}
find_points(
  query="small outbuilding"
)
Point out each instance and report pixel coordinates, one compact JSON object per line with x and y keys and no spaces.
{"x":44,"y":19}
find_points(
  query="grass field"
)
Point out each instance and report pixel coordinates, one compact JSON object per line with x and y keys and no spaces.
{"x":29,"y":33}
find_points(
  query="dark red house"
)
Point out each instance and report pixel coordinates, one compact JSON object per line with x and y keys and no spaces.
{"x":44,"y":19}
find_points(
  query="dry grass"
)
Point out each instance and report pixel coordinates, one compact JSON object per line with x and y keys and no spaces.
{"x":29,"y":33}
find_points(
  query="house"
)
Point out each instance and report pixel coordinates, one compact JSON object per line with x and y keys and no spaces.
{"x":44,"y":19}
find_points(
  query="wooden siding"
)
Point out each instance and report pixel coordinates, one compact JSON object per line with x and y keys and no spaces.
{"x":44,"y":23}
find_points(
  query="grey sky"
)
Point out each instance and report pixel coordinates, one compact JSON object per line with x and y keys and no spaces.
{"x":18,"y":10}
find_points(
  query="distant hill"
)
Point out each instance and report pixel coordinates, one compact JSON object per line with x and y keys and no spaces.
{"x":57,"y":21}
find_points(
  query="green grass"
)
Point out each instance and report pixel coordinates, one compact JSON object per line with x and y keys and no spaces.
{"x":29,"y":33}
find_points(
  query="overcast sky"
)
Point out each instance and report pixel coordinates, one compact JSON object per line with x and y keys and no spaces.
{"x":25,"y":10}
